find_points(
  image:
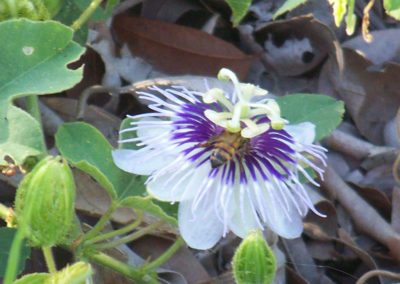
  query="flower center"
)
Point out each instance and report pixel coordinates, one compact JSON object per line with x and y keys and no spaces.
{"x":243,"y":116}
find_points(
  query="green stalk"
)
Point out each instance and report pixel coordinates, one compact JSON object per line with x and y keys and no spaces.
{"x":118,"y":232}
{"x":13,"y":258}
{"x":32,"y":106}
{"x":101,"y":223}
{"x":130,"y":237}
{"x":49,"y":258}
{"x":133,"y":273}
{"x":86,"y":15}
{"x":165,"y":256}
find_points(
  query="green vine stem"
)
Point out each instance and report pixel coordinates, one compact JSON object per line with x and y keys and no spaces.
{"x":14,"y":256}
{"x":118,"y":232}
{"x":130,"y":237}
{"x":165,"y":256}
{"x":134,"y":273}
{"x":102,"y":222}
{"x":32,"y":106}
{"x":49,"y":258}
{"x":86,"y":15}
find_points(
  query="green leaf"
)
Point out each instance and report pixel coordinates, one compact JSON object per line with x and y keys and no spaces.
{"x":34,"y":278}
{"x":6,"y":239}
{"x":239,"y":9}
{"x":33,"y":58}
{"x":288,"y":6}
{"x":72,"y":9}
{"x":147,"y":205}
{"x":339,"y":10}
{"x":392,"y":8}
{"x":22,"y":137}
{"x":87,"y":149}
{"x":323,"y":111}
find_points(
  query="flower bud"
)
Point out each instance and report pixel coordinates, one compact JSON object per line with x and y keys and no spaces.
{"x":45,"y":202}
{"x":74,"y":274}
{"x":30,"y":9}
{"x":254,"y":261}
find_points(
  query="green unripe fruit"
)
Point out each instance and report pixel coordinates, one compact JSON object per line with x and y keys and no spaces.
{"x":45,"y":202}
{"x":254,"y":261}
{"x":74,"y":274}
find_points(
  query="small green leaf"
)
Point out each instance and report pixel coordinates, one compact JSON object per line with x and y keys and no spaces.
{"x":288,"y":6}
{"x":324,"y":112}
{"x":87,"y":149}
{"x":21,"y":138}
{"x":339,"y":10}
{"x":34,"y":60}
{"x":34,"y":278}
{"x":392,"y":8}
{"x":6,"y":239}
{"x":239,"y":9}
{"x":147,"y":205}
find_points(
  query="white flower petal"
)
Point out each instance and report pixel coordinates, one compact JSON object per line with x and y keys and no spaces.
{"x":149,"y":132}
{"x":201,"y":229}
{"x":303,"y":133}
{"x":138,"y":162}
{"x":286,"y":224}
{"x":242,"y":220}
{"x":179,"y":183}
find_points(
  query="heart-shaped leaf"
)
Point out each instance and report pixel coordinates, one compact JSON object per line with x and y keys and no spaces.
{"x":23,"y":137}
{"x":33,"y":58}
{"x":324,"y":112}
{"x":88,"y":150}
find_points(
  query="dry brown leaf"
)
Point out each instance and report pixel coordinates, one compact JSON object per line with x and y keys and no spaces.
{"x":107,"y":123}
{"x":296,"y":46}
{"x":303,"y":262}
{"x":177,"y":49}
{"x":396,"y":209}
{"x":93,"y":200}
{"x":372,"y":98}
{"x":167,"y":10}
{"x":381,"y":50}
{"x":183,"y":261}
{"x":328,"y":224}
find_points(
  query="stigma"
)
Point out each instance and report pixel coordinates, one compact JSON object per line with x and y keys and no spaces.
{"x":243,"y":115}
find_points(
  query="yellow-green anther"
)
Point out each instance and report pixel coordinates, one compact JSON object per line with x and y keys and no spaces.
{"x":217,"y":116}
{"x":278,"y":124}
{"x":253,"y":129}
{"x":216,"y":95}
{"x":243,"y":110}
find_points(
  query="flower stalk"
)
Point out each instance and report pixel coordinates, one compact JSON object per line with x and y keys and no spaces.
{"x":49,"y":258}
{"x":84,"y":17}
{"x":118,"y":232}
{"x":131,"y":237}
